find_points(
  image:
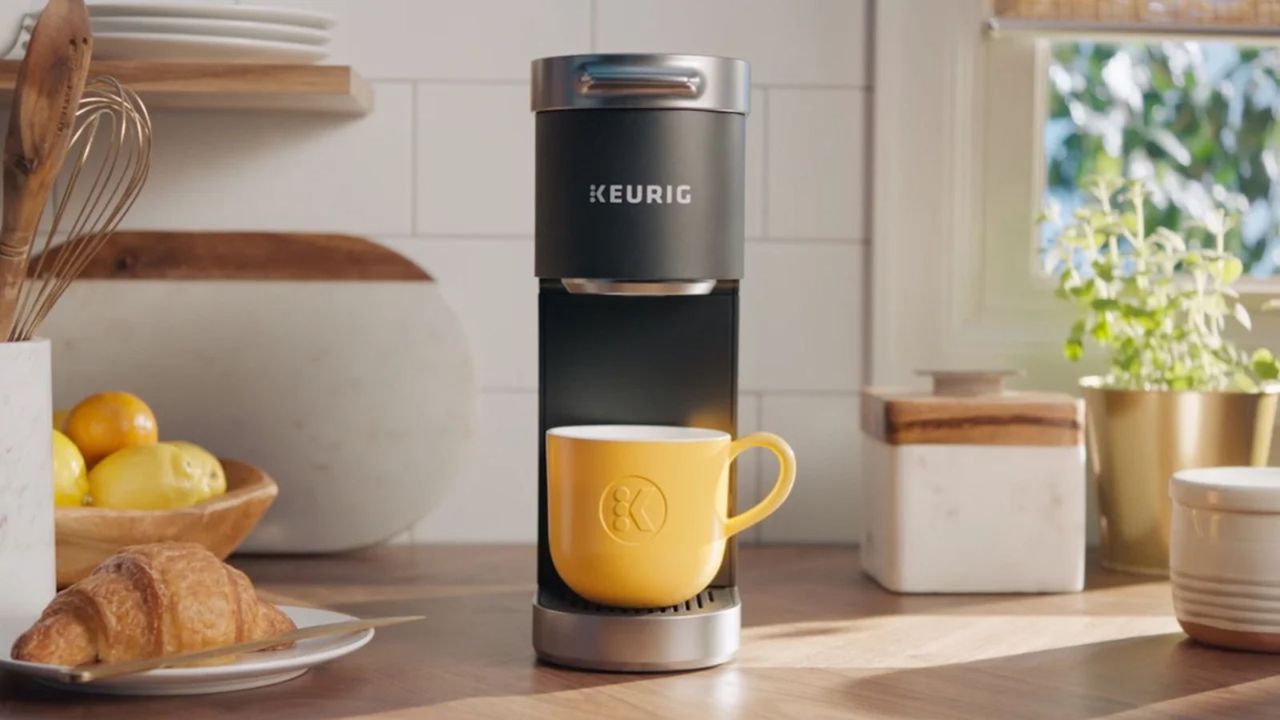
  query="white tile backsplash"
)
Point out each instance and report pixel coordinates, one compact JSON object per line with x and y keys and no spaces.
{"x":491,"y":286}
{"x":817,"y":157}
{"x":495,"y":498}
{"x":475,"y":159}
{"x":273,"y":171}
{"x":802,"y":317}
{"x":804,"y":42}
{"x":823,"y":431}
{"x":756,"y":120}
{"x":442,"y":171}
{"x":452,"y":40}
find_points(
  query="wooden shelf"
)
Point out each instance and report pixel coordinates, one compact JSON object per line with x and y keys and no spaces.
{"x":335,"y":89}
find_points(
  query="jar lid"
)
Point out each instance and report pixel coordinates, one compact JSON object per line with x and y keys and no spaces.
{"x":971,"y":407}
{"x":1242,"y":489}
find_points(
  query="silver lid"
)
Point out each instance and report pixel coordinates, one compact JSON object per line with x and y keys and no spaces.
{"x":641,"y":81}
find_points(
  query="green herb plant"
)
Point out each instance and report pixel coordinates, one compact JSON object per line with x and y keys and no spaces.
{"x":1157,"y":304}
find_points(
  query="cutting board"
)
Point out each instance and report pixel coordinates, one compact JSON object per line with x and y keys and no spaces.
{"x":331,"y":362}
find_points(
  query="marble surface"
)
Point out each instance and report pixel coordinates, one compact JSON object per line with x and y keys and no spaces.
{"x":26,"y":476}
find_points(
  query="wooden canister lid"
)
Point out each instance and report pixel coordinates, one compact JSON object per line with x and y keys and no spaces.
{"x":971,"y":408}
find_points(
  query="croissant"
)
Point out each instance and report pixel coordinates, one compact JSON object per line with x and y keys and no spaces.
{"x":146,"y":601}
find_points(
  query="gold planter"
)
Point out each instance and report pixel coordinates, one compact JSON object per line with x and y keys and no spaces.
{"x":1137,"y":439}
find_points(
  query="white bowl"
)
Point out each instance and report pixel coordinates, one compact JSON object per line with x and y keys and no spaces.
{"x":1182,"y":606}
{"x":1260,"y":591}
{"x":1224,"y":555}
{"x":1223,"y":600}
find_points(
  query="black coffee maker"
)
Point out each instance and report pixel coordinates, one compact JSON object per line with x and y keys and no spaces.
{"x":639,"y":244}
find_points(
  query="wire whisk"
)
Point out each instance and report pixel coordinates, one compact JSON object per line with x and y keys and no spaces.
{"x":110,"y":150}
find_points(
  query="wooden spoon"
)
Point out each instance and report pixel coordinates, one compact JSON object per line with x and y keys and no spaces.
{"x":45,"y":98}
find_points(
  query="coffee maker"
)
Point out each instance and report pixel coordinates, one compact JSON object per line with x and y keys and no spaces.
{"x":639,"y":245}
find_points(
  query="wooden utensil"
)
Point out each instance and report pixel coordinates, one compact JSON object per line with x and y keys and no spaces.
{"x":88,"y":535}
{"x":47,"y":94}
{"x":101,"y":671}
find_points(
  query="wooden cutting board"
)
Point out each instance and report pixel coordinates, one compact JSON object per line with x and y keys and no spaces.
{"x":329,"y":361}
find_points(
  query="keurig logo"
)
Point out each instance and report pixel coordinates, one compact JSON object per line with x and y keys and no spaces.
{"x":633,"y":509}
{"x":640,"y":194}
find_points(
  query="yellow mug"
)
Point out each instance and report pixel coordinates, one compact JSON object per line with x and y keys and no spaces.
{"x":638,"y":514}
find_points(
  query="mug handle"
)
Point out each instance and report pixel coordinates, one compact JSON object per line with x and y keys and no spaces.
{"x":781,"y":487}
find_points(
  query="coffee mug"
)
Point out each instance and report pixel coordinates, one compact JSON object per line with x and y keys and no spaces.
{"x":638,"y":514}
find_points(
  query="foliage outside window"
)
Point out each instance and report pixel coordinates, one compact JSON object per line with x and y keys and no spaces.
{"x":1198,"y":123}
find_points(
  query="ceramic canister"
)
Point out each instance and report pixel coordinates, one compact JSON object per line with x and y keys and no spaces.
{"x":971,"y":488}
{"x":1224,"y":545}
{"x":26,"y":480}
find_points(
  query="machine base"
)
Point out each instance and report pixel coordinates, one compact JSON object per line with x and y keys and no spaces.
{"x":701,"y":632}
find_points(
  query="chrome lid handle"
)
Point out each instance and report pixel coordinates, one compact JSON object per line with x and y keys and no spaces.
{"x":606,"y":79}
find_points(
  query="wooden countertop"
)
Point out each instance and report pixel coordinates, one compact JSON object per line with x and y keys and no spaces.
{"x":819,"y":640}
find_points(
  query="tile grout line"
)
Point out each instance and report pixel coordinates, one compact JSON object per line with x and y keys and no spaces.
{"x":503,"y":81}
{"x":593,"y":27}
{"x":764,"y":163}
{"x":440,"y":236}
{"x":414,"y":160}
{"x":864,"y":87}
{"x":762,"y":394}
{"x":448,"y":81}
{"x":782,"y":240}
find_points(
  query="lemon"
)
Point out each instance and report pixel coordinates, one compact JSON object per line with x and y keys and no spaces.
{"x":70,"y":484}
{"x":207,"y":466}
{"x":146,"y":477}
{"x":106,"y":422}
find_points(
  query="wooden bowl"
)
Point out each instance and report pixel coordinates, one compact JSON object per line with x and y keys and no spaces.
{"x":87,"y":535}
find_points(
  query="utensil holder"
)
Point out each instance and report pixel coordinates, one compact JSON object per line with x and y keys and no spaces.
{"x":26,"y":480}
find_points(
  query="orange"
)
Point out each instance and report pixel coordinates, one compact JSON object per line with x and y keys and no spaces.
{"x":106,"y":422}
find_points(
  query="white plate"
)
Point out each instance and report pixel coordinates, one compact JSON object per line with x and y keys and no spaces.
{"x":252,"y":670}
{"x":256,"y":13}
{"x":200,"y":48}
{"x":207,"y":26}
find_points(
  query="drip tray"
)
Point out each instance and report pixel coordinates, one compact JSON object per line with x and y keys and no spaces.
{"x":700,"y":632}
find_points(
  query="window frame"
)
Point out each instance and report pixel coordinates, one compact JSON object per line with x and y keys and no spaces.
{"x":958,"y":169}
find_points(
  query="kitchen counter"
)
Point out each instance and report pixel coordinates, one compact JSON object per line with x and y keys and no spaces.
{"x":819,"y":640}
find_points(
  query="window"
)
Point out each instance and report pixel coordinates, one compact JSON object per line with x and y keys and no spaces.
{"x":1199,"y":121}
{"x":970,"y":139}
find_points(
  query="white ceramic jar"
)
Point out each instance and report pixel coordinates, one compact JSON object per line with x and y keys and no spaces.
{"x":1224,"y":555}
{"x":26,"y":481}
{"x":971,"y":489}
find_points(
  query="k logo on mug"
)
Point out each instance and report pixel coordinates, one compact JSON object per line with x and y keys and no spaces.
{"x":633,"y":509}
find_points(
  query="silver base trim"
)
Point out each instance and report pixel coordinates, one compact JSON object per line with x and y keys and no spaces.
{"x":702,"y":633}
{"x":596,"y":286}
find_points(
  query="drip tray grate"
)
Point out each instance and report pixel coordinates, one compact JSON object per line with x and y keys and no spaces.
{"x":713,"y":599}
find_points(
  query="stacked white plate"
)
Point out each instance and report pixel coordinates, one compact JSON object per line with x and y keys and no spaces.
{"x":204,"y":32}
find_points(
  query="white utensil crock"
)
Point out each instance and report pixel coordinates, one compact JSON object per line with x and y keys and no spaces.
{"x":1226,"y":526}
{"x":26,"y":481}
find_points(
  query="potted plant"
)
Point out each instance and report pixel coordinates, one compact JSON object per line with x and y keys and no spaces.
{"x":1177,"y":393}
